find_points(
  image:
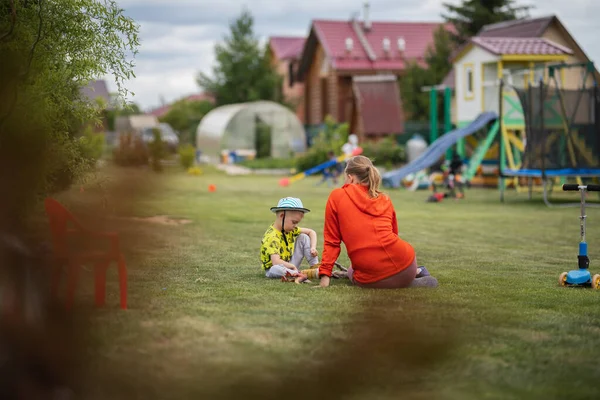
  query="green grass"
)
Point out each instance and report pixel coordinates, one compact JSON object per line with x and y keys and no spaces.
{"x":204,"y":322}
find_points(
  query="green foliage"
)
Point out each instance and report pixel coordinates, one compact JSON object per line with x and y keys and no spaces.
{"x":158,"y":150}
{"x":437,"y":59}
{"x":49,"y":50}
{"x":414,"y":101}
{"x":187,"y":155}
{"x":331,"y":138}
{"x":243,"y":71}
{"x":468,"y":18}
{"x":131,"y":151}
{"x":92,"y":145}
{"x":263,"y":140}
{"x":385,"y":152}
{"x":472,"y":15}
{"x":184,"y":117}
{"x":269,"y":163}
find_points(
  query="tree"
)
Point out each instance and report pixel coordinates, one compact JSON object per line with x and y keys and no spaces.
{"x":243,"y":72}
{"x":472,"y":15}
{"x":50,"y":49}
{"x":437,"y":65}
{"x":185,"y":115}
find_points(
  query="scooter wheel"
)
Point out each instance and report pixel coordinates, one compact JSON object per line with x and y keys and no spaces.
{"x":562,"y":279}
{"x":596,"y":281}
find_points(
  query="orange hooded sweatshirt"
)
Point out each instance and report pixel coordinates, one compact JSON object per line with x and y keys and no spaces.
{"x":369,"y":230}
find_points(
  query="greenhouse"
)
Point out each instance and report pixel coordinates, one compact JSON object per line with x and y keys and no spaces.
{"x":248,"y":130}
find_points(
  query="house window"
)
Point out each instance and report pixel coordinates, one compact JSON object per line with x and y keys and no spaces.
{"x":469,"y":82}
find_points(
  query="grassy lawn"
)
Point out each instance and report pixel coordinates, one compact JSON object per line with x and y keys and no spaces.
{"x":203,"y":322}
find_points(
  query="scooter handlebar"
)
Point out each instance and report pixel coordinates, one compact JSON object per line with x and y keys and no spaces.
{"x":574,"y":186}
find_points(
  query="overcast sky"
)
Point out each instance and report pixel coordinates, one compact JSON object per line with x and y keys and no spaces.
{"x":178,"y":36}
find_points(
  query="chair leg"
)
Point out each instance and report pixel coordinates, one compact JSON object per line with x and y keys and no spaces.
{"x":100,"y":282}
{"x":73,"y":277}
{"x":123,"y":281}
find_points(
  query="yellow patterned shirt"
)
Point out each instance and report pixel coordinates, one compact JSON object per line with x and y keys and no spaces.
{"x":272,"y":243}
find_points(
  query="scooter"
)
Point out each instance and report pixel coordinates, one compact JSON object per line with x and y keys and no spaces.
{"x":581,"y":277}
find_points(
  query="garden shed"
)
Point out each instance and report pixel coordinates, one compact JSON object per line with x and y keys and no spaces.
{"x":248,"y":130}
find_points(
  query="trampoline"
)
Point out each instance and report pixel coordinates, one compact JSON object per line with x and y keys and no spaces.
{"x":562,"y":129}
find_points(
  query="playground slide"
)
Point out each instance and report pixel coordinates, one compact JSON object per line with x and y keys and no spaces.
{"x":318,"y":168}
{"x":436,"y":150}
{"x":481,"y":151}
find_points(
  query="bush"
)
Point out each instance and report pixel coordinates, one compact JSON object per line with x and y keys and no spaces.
{"x":92,"y":145}
{"x":187,"y":155}
{"x":158,"y":150}
{"x":331,"y":138}
{"x":385,"y":152}
{"x":131,"y":151}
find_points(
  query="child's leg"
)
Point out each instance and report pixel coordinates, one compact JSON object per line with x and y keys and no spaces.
{"x":278,"y":271}
{"x":302,"y":250}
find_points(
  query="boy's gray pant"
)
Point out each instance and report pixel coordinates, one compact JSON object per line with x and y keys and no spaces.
{"x":301,"y":251}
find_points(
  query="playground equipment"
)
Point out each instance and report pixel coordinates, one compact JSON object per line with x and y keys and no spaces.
{"x":311,"y":171}
{"x":581,"y":276}
{"x":439,"y":147}
{"x":561,"y":126}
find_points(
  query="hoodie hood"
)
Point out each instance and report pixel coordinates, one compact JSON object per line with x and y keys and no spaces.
{"x":359,"y":195}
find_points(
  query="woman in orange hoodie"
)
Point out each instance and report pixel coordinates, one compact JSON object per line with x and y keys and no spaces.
{"x":362,"y":217}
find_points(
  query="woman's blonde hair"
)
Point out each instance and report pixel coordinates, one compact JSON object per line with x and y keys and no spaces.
{"x":366,"y":173}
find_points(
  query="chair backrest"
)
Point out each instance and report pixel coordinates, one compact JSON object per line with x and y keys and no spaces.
{"x":58,"y":217}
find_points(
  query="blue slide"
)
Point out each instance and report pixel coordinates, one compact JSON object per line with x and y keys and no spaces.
{"x":436,"y":150}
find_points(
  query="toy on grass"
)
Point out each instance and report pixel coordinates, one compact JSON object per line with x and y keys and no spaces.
{"x":287,"y":181}
{"x":448,"y":175}
{"x":581,"y":277}
{"x":313,"y":273}
{"x":296,"y":277}
{"x":194,"y":171}
{"x":212,"y":188}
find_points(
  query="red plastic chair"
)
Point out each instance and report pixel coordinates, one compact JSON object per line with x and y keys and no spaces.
{"x":60,"y":219}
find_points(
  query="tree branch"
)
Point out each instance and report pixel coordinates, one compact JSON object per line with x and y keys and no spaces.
{"x":37,"y":39}
{"x":13,"y":20}
{"x":26,"y":71}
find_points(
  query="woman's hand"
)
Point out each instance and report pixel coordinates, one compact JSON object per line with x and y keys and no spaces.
{"x":314,"y":252}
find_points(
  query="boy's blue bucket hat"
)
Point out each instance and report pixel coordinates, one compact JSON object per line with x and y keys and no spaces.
{"x":290,"y":204}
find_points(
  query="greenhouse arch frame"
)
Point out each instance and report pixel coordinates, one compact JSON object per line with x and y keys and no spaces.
{"x":233,"y":129}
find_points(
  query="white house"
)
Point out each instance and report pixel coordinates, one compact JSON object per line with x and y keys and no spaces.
{"x":480,"y":64}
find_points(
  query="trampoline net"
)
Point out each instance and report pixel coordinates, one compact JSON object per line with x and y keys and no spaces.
{"x":562,"y":127}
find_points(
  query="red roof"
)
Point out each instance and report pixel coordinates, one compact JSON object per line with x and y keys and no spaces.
{"x":286,"y":47}
{"x":417,"y":37}
{"x":378,"y":102}
{"x":526,"y":46}
{"x":526,"y":27}
{"x":162,"y":110}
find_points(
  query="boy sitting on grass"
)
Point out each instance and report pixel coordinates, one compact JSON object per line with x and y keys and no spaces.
{"x":284,"y":245}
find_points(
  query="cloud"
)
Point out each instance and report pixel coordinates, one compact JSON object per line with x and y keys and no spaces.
{"x":178,"y":36}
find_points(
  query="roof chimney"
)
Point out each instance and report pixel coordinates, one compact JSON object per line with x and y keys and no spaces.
{"x":366,"y":17}
{"x":386,"y":44}
{"x":349,"y":44}
{"x":401,"y":44}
